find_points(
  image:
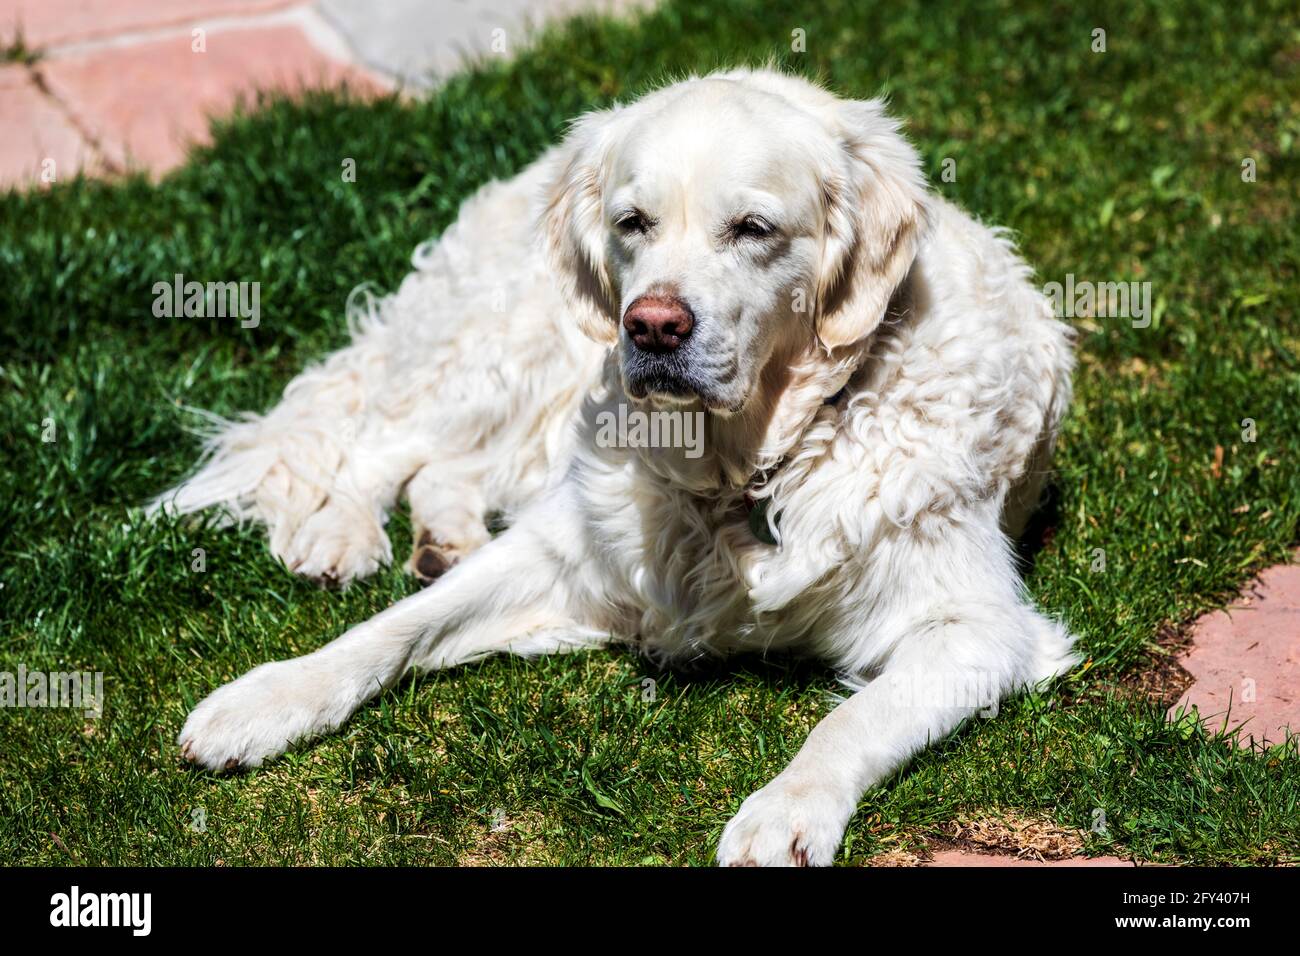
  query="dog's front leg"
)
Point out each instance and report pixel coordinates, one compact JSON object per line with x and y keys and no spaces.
{"x":950,"y":663}
{"x":522,"y":593}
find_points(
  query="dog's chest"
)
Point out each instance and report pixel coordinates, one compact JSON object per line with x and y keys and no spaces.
{"x":693,"y":574}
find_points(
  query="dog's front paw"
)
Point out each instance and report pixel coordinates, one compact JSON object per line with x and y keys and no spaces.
{"x":255,"y":718}
{"x":787,"y":823}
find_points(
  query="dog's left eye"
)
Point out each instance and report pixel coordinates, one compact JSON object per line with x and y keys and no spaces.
{"x":633,"y":222}
{"x":751,"y":227}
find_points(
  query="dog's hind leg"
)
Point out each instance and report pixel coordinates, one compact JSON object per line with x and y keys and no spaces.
{"x":344,"y":539}
{"x":449,"y":518}
{"x":528,"y":592}
{"x":321,"y":469}
{"x":281,"y":467}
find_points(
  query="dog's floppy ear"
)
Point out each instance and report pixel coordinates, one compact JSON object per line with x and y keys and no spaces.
{"x":573,"y":228}
{"x":876,"y":215}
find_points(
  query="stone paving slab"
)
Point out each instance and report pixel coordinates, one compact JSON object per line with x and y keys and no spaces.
{"x":418,"y":42}
{"x":115,"y":84}
{"x":1248,"y":656}
{"x":47,"y":23}
{"x":36,"y":131}
{"x":144,"y":103}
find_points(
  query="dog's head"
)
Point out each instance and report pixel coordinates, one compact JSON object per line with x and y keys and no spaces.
{"x":721,"y":221}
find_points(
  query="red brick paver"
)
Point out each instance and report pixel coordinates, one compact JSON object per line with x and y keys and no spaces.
{"x":118,"y":84}
{"x":46,"y":23}
{"x":35,"y":131}
{"x":1249,"y":655}
{"x":146,"y":102}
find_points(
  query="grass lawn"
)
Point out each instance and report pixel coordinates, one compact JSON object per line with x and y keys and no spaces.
{"x":1115,"y":166}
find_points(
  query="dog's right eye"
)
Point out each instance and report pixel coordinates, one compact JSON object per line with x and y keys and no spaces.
{"x":751,"y":227}
{"x":633,"y":222}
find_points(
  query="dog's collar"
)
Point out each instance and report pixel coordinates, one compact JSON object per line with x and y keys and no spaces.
{"x":835,"y":399}
{"x":758,"y":525}
{"x":757,"y":508}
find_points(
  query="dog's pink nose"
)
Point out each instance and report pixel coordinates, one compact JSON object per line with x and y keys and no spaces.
{"x":658,"y":323}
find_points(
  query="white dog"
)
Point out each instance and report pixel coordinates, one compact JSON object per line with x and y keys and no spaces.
{"x":878,"y":383}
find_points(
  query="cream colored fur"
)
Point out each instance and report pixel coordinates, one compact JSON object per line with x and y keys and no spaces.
{"x":878,"y":367}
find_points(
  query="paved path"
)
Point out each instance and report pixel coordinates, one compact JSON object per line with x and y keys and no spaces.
{"x":118,"y":84}
{"x":417,"y":41}
{"x":1246,"y":660}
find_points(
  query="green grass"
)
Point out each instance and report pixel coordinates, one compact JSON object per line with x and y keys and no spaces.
{"x":16,"y":51}
{"x":1114,"y":166}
